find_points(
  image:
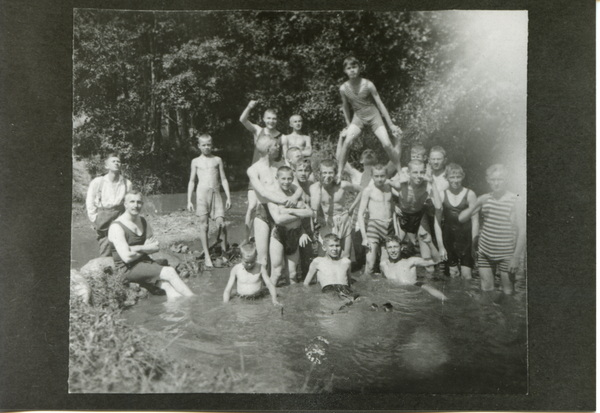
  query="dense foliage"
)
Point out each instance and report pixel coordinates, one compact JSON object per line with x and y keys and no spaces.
{"x":143,"y":79}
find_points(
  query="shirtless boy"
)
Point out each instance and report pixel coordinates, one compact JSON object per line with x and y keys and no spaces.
{"x":293,"y":156}
{"x":287,"y":233}
{"x":270,"y":130}
{"x":329,"y":196}
{"x":333,"y":271}
{"x":377,"y":201}
{"x":208,"y":169}
{"x":248,"y":276}
{"x":296,"y":139}
{"x":404,"y":271}
{"x":303,"y":174}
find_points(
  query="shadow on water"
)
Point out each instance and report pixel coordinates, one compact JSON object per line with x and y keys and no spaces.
{"x":473,"y":342}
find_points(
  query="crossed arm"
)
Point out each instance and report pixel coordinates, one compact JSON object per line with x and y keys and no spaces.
{"x":128,"y":253}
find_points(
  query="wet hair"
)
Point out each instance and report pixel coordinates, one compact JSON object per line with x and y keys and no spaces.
{"x":393,"y":238}
{"x":332,"y":237}
{"x":133,"y":191}
{"x":112,"y":155}
{"x":351,"y":60}
{"x":438,"y":149}
{"x":291,"y":150}
{"x":415,"y":163}
{"x":453,"y":168}
{"x":271,"y":111}
{"x":418,"y":149}
{"x":496,"y":168}
{"x":329,"y":163}
{"x":264,"y":142}
{"x":248,"y":248}
{"x":304,"y":161}
{"x":204,"y":136}
{"x":379,"y":167}
{"x":284,"y":168}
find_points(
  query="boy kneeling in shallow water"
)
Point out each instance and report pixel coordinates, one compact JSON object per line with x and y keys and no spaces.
{"x":248,"y":275}
{"x":404,"y":271}
{"x":333,"y":271}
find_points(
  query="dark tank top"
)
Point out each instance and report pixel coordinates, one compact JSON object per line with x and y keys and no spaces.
{"x":132,"y":239}
{"x":451,"y":213}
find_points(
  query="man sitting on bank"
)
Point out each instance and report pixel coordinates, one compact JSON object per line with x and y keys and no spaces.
{"x":132,"y":241}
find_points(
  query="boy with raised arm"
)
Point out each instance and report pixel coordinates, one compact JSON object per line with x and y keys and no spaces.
{"x":332,"y":270}
{"x":502,"y":238}
{"x":248,"y":276}
{"x":288,"y":233}
{"x":209,"y":169}
{"x":367,"y":107}
{"x":404,"y":271}
{"x":328,"y":195}
{"x":296,"y":139}
{"x":377,"y":201}
{"x":270,"y":131}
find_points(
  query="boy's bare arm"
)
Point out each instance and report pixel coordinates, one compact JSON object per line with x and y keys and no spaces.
{"x":312,"y":270}
{"x":315,"y":197}
{"x":270,"y":286}
{"x":265,"y":192}
{"x":307,"y":151}
{"x":232,"y":277}
{"x":348,"y":186}
{"x":466,"y":214}
{"x":364,"y":203}
{"x":191,"y":185}
{"x":472,"y":199}
{"x":116,"y":235}
{"x":345,"y":107}
{"x":395,"y":129}
{"x":224,"y":183}
{"x":244,"y":119}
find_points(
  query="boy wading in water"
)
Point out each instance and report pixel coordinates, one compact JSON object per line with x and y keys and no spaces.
{"x":287,"y":233}
{"x":368,"y":108}
{"x":404,"y":271}
{"x":333,"y":271}
{"x":296,"y":139}
{"x":248,"y":275}
{"x":329,"y":196}
{"x":208,"y":169}
{"x":270,"y":131}
{"x":132,"y":241}
{"x":502,"y":238}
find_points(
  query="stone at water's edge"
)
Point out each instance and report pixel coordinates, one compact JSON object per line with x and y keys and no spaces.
{"x":98,"y":268}
{"x":80,"y":287}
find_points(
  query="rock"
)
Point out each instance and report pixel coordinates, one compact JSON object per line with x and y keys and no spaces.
{"x":98,"y":268}
{"x":185,"y":249}
{"x":374,"y":307}
{"x":387,"y":307}
{"x":80,"y":287}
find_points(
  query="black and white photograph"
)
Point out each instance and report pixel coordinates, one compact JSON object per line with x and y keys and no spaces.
{"x":299,"y":202}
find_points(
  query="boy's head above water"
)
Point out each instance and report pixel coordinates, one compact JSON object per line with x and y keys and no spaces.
{"x":248,"y":254}
{"x":418,"y":152}
{"x":437,"y":158}
{"x":296,"y":123}
{"x":416,"y":171}
{"x":393,"y":247}
{"x":332,"y":246}
{"x":285,"y":177}
{"x":328,"y":170}
{"x":303,"y":169}
{"x":205,"y":144}
{"x":496,"y":177}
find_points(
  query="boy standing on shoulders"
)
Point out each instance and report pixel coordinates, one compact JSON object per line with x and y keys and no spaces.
{"x":208,"y":169}
{"x":332,"y":271}
{"x":248,"y":276}
{"x":104,"y":201}
{"x":377,"y":201}
{"x":287,"y":234}
{"x":295,"y":139}
{"x":502,"y":239}
{"x":270,"y":131}
{"x":404,"y":271}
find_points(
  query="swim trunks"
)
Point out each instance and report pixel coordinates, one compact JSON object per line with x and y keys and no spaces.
{"x":262,"y":213}
{"x":457,"y":235}
{"x":409,"y":222}
{"x":363,"y":105}
{"x":379,"y":229}
{"x":288,"y":237}
{"x":485,"y":261}
{"x":337,"y":288}
{"x":256,"y":296}
{"x":211,"y":205}
{"x":340,"y":225}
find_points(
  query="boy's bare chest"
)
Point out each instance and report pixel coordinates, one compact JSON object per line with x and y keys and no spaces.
{"x":332,"y":195}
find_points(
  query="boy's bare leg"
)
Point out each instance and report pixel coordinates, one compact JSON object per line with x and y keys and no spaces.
{"x":487,"y":279}
{"x":168,"y":288}
{"x":392,"y":152}
{"x":261,"y":237}
{"x":169,"y":274}
{"x":292,"y":266}
{"x":250,"y":213}
{"x":277,"y":254}
{"x":508,"y":282}
{"x":347,"y":245}
{"x":372,"y":258}
{"x":222,"y":233}
{"x":204,"y":240}
{"x":351,"y":135}
{"x":423,"y":247}
{"x":465,"y":272}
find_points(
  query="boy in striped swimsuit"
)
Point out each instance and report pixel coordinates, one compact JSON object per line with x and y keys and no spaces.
{"x":502,"y":237}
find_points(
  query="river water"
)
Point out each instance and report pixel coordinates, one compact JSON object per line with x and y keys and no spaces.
{"x":473,"y":342}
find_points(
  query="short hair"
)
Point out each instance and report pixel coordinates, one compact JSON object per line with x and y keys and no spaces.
{"x":291,"y":150}
{"x":204,"y":136}
{"x":379,"y":167}
{"x":332,"y":237}
{"x":264,"y":142}
{"x":112,"y":155}
{"x":454,"y":168}
{"x":415,"y":163}
{"x":329,"y":163}
{"x":496,"y":168}
{"x":304,"y":161}
{"x":418,"y":148}
{"x":438,"y":149}
{"x":248,"y":247}
{"x":300,"y":116}
{"x":351,"y":60}
{"x":133,"y":191}
{"x":270,"y":110}
{"x":393,"y":238}
{"x":284,"y":168}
